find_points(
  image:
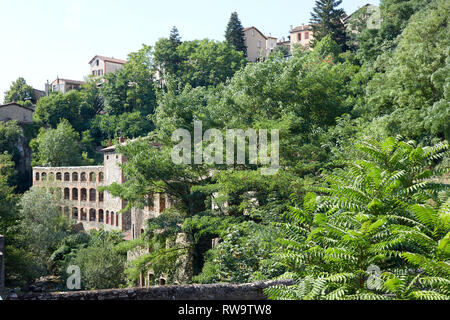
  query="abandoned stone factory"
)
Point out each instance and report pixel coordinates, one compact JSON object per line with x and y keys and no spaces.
{"x":82,"y":201}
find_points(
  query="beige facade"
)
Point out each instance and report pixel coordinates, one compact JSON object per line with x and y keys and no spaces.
{"x":82,"y":201}
{"x":65,"y":85}
{"x":101,"y":66}
{"x":80,"y":198}
{"x":15,"y":111}
{"x":301,"y":35}
{"x":258,"y":45}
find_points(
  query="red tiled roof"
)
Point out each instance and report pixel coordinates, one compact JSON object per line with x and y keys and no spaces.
{"x":301,"y":28}
{"x":113,"y":60}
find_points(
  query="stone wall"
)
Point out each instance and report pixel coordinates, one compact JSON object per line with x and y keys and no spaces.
{"x":251,"y":291}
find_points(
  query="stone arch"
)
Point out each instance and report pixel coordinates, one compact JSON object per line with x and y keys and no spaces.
{"x":117,"y":219}
{"x":92,"y":215}
{"x":75,"y":213}
{"x":107,"y":217}
{"x":37,"y":176}
{"x":74,"y":194}
{"x":44,"y":176}
{"x":83,"y":177}
{"x":66,"y":211}
{"x":66,"y":176}
{"x":59,"y":176}
{"x":83,"y":214}
{"x":66,"y":194}
{"x":112,"y":218}
{"x":162,"y":203}
{"x":83,"y":195}
{"x":51,"y":176}
{"x":75,"y":176}
{"x":101,"y":197}
{"x":162,"y":282}
{"x":101,"y":177}
{"x":92,"y":195}
{"x":100,"y":215}
{"x":92,"y":177}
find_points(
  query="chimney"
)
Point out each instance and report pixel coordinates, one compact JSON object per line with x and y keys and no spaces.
{"x":109,"y":143}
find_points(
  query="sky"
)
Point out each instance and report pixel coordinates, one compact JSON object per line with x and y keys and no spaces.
{"x":40,"y":40}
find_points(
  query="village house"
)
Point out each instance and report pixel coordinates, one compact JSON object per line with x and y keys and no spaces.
{"x":101,"y":66}
{"x":258,"y":45}
{"x":64,"y":85}
{"x":301,"y":35}
{"x":16,"y":111}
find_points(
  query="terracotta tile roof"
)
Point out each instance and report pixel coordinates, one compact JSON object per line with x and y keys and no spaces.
{"x":113,"y":60}
{"x":301,"y":28}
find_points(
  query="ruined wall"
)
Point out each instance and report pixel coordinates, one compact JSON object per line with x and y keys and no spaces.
{"x":251,"y":291}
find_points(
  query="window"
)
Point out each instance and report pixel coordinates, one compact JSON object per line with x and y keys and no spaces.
{"x":306,"y":35}
{"x":92,"y":195}
{"x":299,"y":36}
{"x":94,"y":72}
{"x":253,"y":33}
{"x":259,"y":43}
{"x":66,"y":176}
{"x":75,"y":176}
{"x":37,"y":176}
{"x":98,"y":62}
{"x":74,"y":194}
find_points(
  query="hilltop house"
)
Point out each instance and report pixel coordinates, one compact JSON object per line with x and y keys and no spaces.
{"x":258,"y":45}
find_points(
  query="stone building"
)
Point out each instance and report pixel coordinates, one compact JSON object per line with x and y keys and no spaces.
{"x":16,"y":111}
{"x":258,"y":45}
{"x":81,"y":199}
{"x":64,"y":85}
{"x":83,"y":202}
{"x":301,"y":35}
{"x":101,"y":66}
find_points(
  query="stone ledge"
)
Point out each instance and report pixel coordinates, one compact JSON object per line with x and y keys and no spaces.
{"x":249,"y":291}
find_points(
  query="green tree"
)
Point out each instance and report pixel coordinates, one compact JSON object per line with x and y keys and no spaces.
{"x":102,"y":266}
{"x":411,"y":78}
{"x":234,"y":34}
{"x":373,"y":212}
{"x":51,"y":109}
{"x":57,"y":147}
{"x":326,"y":19}
{"x":42,"y":225}
{"x":131,"y":88}
{"x":19,"y":91}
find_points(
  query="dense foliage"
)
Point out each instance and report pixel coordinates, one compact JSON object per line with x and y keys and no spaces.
{"x":363,"y":177}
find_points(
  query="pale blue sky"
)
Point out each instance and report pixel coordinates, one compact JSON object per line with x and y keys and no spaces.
{"x":42,"y":39}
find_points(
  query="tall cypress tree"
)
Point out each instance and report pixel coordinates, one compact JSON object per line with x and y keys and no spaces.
{"x":235,"y":33}
{"x":326,"y":19}
{"x":175,"y":38}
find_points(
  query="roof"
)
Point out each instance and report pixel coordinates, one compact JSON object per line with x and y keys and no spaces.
{"x":113,"y":60}
{"x":124,"y":142}
{"x":16,"y":104}
{"x":69,"y":80}
{"x":301,"y":28}
{"x":252,"y":27}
